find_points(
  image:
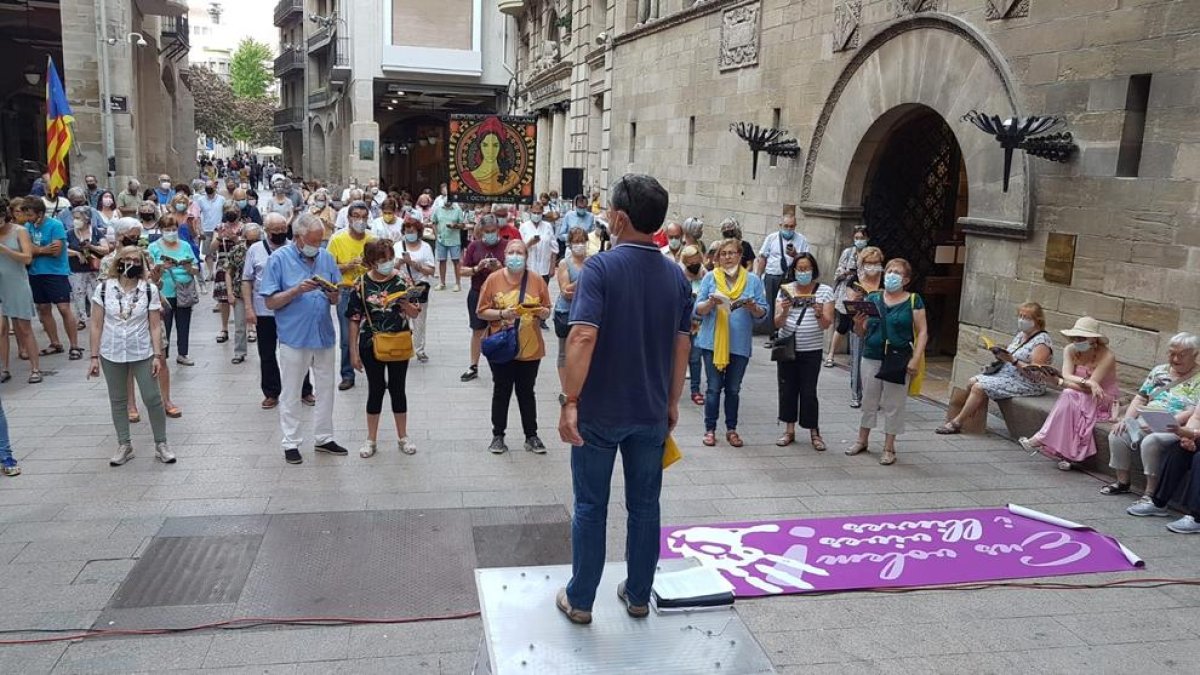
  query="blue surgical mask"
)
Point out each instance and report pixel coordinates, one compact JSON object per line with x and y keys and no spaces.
{"x":893,"y":282}
{"x":804,"y":278}
{"x":674,"y":243}
{"x":581,"y":212}
{"x":170,"y":237}
{"x":1081,"y":347}
{"x":1024,"y":325}
{"x":243,"y":203}
{"x":860,"y":244}
{"x":309,"y":251}
{"x":535,"y":217}
{"x":490,"y":238}
{"x":787,"y":234}
{"x":411,"y":237}
{"x":515,"y":262}
{"x":385,"y":268}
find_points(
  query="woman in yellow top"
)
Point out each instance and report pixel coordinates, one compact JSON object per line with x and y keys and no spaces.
{"x":501,"y":303}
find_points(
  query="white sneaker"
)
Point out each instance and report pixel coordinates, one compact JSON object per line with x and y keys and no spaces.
{"x":407,"y":446}
{"x":1029,"y":446}
{"x":1185,"y":525}
{"x":440,"y":287}
{"x":124,"y":454}
{"x":367,"y":450}
{"x":163,"y":453}
{"x":1145,"y":507}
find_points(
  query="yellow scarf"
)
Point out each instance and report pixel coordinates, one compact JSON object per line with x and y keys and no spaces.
{"x":721,"y":329}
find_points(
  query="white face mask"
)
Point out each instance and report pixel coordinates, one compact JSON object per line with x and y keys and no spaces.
{"x":579,"y":249}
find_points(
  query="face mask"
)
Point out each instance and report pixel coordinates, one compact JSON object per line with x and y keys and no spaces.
{"x":535,"y":218}
{"x":107,"y":201}
{"x":79,"y":224}
{"x":1081,"y":347}
{"x":892,"y":281}
{"x":358,"y":225}
{"x":411,"y":237}
{"x":516,"y":263}
{"x":872,"y":269}
{"x":674,"y":244}
{"x":130,"y":241}
{"x":209,"y":191}
{"x":860,"y":244}
{"x":1024,"y":325}
{"x":91,"y":186}
{"x":181,"y":207}
{"x":132,"y":270}
{"x":170,"y":237}
{"x":320,"y":204}
{"x":253,"y":202}
{"x":579,"y":249}
{"x":242,"y":203}
{"x":385,"y":268}
{"x":490,"y":238}
{"x":804,"y":278}
{"x":165,"y":185}
{"x":581,"y":212}
{"x":728,"y":234}
{"x":389,"y":218}
{"x":310,"y":251}
{"x":694,"y":269}
{"x":787,"y":234}
{"x":277,"y":238}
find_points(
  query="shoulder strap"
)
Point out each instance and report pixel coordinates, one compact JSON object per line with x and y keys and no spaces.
{"x":362,"y":297}
{"x":1169,"y":386}
{"x":1028,"y":340}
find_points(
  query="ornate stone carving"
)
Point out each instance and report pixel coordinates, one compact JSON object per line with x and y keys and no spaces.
{"x":847,"y":15}
{"x":907,"y":7}
{"x":1006,"y":9}
{"x":739,"y":37}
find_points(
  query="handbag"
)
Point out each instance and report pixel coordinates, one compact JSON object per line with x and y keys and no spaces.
{"x":503,"y":346}
{"x":561,"y":328}
{"x":422,"y":296}
{"x":386,"y":347}
{"x":998,"y":365}
{"x":428,"y":234}
{"x":187,"y":294}
{"x":783,"y":347}
{"x":894,"y":367}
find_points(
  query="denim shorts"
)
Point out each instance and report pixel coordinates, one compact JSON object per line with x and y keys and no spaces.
{"x":448,"y":252}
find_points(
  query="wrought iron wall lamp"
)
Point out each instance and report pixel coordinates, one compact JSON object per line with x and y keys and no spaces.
{"x":774,"y":142}
{"x":1021,"y":133}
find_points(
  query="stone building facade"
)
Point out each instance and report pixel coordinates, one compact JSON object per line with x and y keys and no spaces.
{"x":875,"y":91}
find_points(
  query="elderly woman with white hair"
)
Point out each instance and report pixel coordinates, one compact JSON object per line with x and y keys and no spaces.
{"x":1172,"y":387}
{"x":731,"y":229}
{"x":693,"y":233}
{"x":86,"y":246}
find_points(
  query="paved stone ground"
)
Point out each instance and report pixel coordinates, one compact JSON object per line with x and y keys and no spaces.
{"x":71,"y":527}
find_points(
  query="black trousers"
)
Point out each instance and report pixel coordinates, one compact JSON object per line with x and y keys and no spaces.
{"x":383,"y":376}
{"x":268,"y":365}
{"x":1178,"y":466}
{"x":798,"y":389}
{"x":771,"y":284}
{"x":181,"y":318}
{"x":519,"y":375}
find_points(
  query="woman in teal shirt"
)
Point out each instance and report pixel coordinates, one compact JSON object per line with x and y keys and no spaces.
{"x":175,"y":266}
{"x":904,"y":314}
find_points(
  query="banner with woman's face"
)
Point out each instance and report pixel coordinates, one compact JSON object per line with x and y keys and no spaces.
{"x":491,"y":158}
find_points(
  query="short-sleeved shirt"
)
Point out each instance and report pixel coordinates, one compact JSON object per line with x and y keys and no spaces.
{"x":393,"y":231}
{"x":95,"y":238}
{"x":211,"y":209}
{"x":1179,"y":398}
{"x":741,"y":322}
{"x":176,"y":274}
{"x":306,"y":322}
{"x":285,"y":208}
{"x":126,"y":334}
{"x":345,"y":248}
{"x":448,"y":215}
{"x":128,"y":203}
{"x":369,"y":297}
{"x":252,"y":270}
{"x":775,"y":251}
{"x":500,"y":293}
{"x":476,"y":253}
{"x":572,"y":219}
{"x":46,"y":233}
{"x":629,"y":381}
{"x":899,"y":324}
{"x":808,"y":333}
{"x":423,"y":256}
{"x":540,"y":255}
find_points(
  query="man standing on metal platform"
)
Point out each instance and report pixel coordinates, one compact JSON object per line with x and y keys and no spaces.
{"x":626,"y":357}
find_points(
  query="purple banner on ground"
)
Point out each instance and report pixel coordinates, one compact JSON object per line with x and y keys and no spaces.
{"x":908,"y":549}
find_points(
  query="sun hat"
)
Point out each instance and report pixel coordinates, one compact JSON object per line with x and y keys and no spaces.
{"x":1086,"y":327}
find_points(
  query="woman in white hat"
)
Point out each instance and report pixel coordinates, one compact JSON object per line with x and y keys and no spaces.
{"x":1089,"y":384}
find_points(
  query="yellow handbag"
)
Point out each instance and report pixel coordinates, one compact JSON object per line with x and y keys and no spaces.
{"x":387,"y":347}
{"x":671,"y":452}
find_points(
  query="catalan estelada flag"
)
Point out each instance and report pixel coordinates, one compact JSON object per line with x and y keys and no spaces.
{"x":58,"y":129}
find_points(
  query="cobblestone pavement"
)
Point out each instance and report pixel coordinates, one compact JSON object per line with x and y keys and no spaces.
{"x":71,"y":527}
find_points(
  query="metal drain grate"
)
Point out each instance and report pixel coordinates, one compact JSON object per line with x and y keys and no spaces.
{"x":188,"y":571}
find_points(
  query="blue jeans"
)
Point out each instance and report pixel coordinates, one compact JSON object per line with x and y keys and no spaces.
{"x":344,"y":333}
{"x":729,"y":382}
{"x":694,"y":363}
{"x":591,"y":473}
{"x":5,"y":446}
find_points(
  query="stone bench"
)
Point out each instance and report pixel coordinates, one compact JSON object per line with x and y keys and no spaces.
{"x":1024,"y":416}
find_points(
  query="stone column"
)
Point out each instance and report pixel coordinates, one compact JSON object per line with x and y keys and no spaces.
{"x":541,"y":169}
{"x":363,"y":128}
{"x":558,"y":150}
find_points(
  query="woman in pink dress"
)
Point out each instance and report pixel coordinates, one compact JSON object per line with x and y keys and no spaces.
{"x":1089,"y":389}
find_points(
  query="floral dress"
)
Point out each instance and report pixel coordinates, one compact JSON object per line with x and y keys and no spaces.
{"x":231,"y":254}
{"x":1009,"y":382}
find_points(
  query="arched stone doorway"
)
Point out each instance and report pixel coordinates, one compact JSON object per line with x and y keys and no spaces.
{"x":318,"y":168}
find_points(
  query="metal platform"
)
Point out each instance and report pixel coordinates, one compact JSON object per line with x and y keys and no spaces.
{"x":524,"y":633}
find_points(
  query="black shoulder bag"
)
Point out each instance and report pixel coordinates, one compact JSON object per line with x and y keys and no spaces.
{"x":894,"y":367}
{"x":783,"y":347}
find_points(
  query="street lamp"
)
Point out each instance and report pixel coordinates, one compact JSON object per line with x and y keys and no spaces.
{"x":141,"y":41}
{"x":1022,"y":133}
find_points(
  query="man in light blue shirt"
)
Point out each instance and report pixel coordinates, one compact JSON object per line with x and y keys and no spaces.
{"x":211,"y":206}
{"x":581,"y":217}
{"x":305,"y":327}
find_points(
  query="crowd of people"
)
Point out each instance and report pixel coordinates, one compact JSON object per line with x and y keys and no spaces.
{"x":332,"y":283}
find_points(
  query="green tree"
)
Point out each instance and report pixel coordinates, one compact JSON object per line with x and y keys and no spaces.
{"x":249,"y":69}
{"x":252,"y":121}
{"x":214,"y":102}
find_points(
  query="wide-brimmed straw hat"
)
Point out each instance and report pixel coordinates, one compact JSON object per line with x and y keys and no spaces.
{"x":1086,"y":327}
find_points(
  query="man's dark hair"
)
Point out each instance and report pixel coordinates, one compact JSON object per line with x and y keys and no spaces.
{"x":642,"y":198}
{"x":35,"y":204}
{"x":358,"y":206}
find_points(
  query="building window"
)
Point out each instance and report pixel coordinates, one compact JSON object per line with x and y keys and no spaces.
{"x":632,"y":140}
{"x":691,"y":139}
{"x":775,"y":115}
{"x":1129,"y":156}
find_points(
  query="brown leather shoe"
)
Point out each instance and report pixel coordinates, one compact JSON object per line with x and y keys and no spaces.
{"x":269,"y":403}
{"x":578,"y":616}
{"x":636,"y":611}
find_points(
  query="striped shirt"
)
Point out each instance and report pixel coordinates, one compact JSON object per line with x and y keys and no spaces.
{"x":809,"y":336}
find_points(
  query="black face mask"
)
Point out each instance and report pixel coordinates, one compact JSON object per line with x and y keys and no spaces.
{"x":209,"y":191}
{"x":133,"y":271}
{"x":147,"y":217}
{"x":277,"y":238}
{"x":129,"y":242}
{"x":694,"y":269}
{"x":91,"y":186}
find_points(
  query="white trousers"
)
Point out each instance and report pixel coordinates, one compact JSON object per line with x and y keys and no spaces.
{"x":293,"y":365}
{"x":418,"y":329}
{"x":880,"y":398}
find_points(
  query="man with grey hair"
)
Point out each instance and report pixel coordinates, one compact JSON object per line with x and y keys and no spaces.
{"x":343,"y":215}
{"x":129,"y":200}
{"x":300,"y":286}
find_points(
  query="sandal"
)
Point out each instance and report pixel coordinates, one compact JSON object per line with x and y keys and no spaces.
{"x":889,"y":458}
{"x":1064,"y":465}
{"x":5,"y":376}
{"x":818,"y":443}
{"x":710,"y":438}
{"x":829,"y":362}
{"x":950,"y":427}
{"x":698,"y":398}
{"x":786,"y":440}
{"x":856,"y":448}
{"x":238,"y":359}
{"x":1116,"y":488}
{"x":34,"y":376}
{"x":223,"y":337}
{"x":76,"y":353}
{"x":173,"y":411}
{"x":733,"y":438}
{"x":52,"y":349}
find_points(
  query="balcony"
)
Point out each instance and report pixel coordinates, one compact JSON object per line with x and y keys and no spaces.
{"x":511,"y":7}
{"x":289,"y":61}
{"x":157,"y":7}
{"x":287,"y":11}
{"x":339,"y":72}
{"x":320,"y":40}
{"x":175,"y":37}
{"x":319,"y":98}
{"x":287,"y":119}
